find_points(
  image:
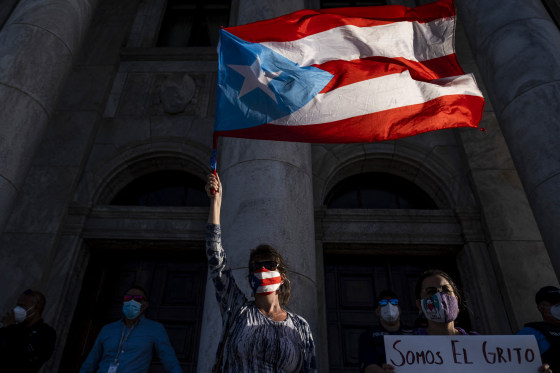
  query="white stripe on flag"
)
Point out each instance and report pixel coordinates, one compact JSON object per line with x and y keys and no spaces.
{"x":375,"y":95}
{"x":268,"y":274}
{"x":267,"y":288}
{"x":411,"y":40}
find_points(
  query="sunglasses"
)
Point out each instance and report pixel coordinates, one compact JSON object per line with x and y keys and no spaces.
{"x":393,"y":301}
{"x":137,"y":298}
{"x":269,"y":264}
{"x":432,"y":290}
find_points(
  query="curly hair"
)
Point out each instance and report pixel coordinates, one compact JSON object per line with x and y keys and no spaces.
{"x":265,"y":251}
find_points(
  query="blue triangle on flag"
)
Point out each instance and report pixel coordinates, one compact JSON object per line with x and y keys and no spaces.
{"x":286,"y":88}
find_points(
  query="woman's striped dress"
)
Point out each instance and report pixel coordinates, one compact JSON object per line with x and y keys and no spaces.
{"x":254,"y":342}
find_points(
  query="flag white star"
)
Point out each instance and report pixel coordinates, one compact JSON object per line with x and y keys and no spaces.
{"x":255,"y":77}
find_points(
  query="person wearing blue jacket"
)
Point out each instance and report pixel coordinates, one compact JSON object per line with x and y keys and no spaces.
{"x":547,"y":331}
{"x":127,"y":345}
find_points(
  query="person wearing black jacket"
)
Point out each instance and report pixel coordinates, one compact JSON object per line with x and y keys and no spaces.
{"x":26,"y":341}
{"x":371,"y":344}
{"x":547,"y":332}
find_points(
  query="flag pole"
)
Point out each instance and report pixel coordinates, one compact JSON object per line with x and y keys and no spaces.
{"x":213,"y":163}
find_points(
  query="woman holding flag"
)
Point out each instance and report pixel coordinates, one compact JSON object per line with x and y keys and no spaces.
{"x":258,"y":335}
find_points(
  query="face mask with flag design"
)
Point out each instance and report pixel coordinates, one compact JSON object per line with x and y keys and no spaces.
{"x":264,"y":281}
{"x":440,"y":307}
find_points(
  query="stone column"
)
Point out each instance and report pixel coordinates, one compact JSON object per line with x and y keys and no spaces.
{"x":515,"y":44}
{"x":268,"y":198}
{"x":37,"y":45}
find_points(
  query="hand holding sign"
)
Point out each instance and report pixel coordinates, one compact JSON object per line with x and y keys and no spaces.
{"x":458,"y":354}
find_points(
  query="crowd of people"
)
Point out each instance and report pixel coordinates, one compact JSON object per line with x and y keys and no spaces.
{"x":437,"y":287}
{"x":259,"y":334}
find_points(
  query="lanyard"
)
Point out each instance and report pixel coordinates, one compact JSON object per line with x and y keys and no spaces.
{"x":123,"y":340}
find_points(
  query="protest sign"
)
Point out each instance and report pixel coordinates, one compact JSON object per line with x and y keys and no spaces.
{"x":463,"y":353}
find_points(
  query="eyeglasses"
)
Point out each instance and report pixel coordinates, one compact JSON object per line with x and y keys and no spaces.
{"x":129,"y":297}
{"x":269,"y":264}
{"x":432,"y":290}
{"x":393,"y":301}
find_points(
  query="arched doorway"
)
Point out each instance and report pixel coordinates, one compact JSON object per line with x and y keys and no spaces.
{"x":380,"y":246}
{"x":378,"y":190}
{"x":131,"y":240}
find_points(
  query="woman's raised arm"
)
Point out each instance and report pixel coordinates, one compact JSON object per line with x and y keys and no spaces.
{"x":214,"y":192}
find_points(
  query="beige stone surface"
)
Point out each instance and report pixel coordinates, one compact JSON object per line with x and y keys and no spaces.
{"x":33,"y":212}
{"x":39,"y":39}
{"x":19,"y":44}
{"x":516,"y":54}
{"x":526,"y":267}
{"x":508,"y":214}
{"x":20,"y":135}
{"x":68,"y":135}
{"x":488,"y":149}
{"x":483,"y":293}
{"x":22,"y":265}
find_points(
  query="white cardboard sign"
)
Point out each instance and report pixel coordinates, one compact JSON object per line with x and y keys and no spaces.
{"x":464,"y":353}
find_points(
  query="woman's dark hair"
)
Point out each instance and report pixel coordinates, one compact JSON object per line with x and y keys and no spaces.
{"x":438,"y":272}
{"x":387,"y":294}
{"x":268,"y":252}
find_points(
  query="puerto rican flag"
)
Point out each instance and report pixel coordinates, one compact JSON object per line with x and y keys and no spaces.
{"x":344,"y":75}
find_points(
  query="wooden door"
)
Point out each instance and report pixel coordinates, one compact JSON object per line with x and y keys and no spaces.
{"x":352,"y":283}
{"x":175,"y":283}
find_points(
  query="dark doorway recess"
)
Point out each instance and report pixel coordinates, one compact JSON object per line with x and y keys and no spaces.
{"x":173,"y":274}
{"x":163,"y":188}
{"x":351,"y":3}
{"x":378,"y":190}
{"x":352,"y":283}
{"x":193,"y":23}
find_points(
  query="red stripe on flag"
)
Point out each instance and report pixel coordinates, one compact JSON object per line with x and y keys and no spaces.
{"x":348,"y":72}
{"x":444,"y":112}
{"x":271,"y":281}
{"x":299,"y":24}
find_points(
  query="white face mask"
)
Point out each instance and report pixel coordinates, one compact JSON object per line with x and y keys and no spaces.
{"x":20,"y":314}
{"x":390,"y":313}
{"x":555,"y":311}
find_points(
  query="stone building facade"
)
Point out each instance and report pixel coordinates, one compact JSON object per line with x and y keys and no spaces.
{"x":106,"y":110}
